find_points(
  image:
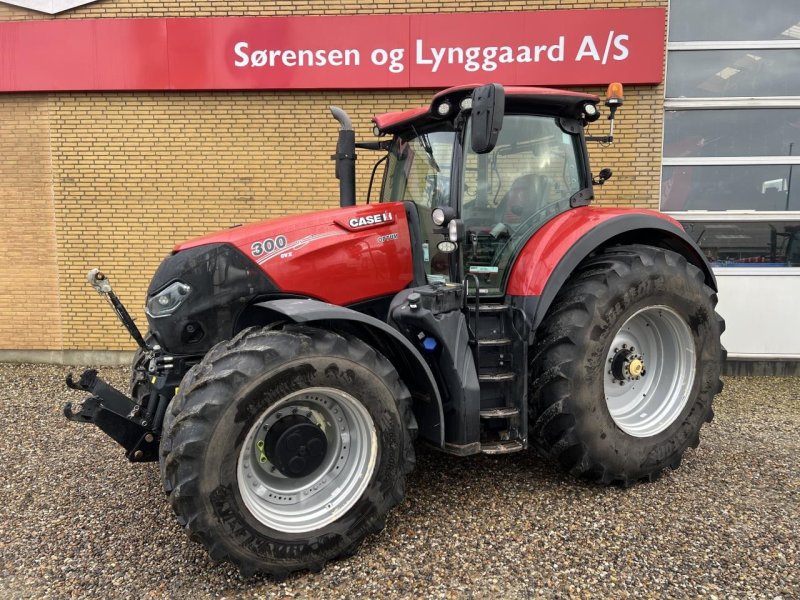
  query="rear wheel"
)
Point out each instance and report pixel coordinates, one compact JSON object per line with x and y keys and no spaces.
{"x":283,"y":449}
{"x":626,"y":365}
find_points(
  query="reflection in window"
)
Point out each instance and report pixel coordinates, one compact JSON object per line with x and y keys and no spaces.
{"x":733,"y":73}
{"x":691,"y":20}
{"x":748,"y":244}
{"x":741,"y":187}
{"x":740,"y":132}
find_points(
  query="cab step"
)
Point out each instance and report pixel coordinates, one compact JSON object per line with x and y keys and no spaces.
{"x":504,"y":447}
{"x":501,"y":412}
{"x":495,"y":377}
{"x":494,"y":342}
{"x":489,"y":307}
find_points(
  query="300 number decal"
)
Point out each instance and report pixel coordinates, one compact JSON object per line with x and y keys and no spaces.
{"x":268,"y":245}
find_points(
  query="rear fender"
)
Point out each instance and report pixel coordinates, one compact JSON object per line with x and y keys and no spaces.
{"x":413,"y":370}
{"x":555,"y":251}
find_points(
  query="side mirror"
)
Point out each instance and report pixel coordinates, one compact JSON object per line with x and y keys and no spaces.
{"x":603,"y":176}
{"x":488,"y":106}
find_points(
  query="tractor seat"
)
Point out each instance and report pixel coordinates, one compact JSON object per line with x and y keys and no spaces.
{"x":527,"y":195}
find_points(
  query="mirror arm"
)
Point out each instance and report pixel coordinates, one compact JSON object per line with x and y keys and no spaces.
{"x":603,"y":139}
{"x":382,"y":145}
{"x":613,"y":104}
{"x":372,"y":177}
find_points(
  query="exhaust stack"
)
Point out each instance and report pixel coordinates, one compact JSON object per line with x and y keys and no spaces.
{"x":345,"y":158}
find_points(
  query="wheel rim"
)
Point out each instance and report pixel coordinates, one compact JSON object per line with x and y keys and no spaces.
{"x":296,"y":504}
{"x":650,"y":371}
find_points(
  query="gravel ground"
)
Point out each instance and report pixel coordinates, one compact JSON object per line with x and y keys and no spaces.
{"x":77,"y":520}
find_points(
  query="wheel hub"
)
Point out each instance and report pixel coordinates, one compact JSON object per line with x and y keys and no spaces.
{"x":636,"y":367}
{"x":651,"y":371}
{"x":307,"y":459}
{"x":295,"y":446}
{"x":626,"y":365}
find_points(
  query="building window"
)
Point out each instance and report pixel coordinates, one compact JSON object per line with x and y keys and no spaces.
{"x":732,"y":132}
{"x":713,"y":20}
{"x":730,"y":187}
{"x":731,"y":166}
{"x":737,"y":243}
{"x":694,"y":73}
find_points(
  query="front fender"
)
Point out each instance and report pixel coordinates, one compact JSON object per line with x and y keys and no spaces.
{"x":410,"y":364}
{"x":548,"y":259}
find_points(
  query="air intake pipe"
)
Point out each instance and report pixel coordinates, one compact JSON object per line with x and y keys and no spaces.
{"x":345,"y":158}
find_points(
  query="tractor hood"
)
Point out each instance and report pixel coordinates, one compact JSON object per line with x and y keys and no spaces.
{"x":342,"y":256}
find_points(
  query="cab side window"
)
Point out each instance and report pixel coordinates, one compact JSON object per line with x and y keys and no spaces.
{"x":532,"y":166}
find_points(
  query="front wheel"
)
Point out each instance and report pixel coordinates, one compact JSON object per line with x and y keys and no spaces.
{"x":626,"y":365}
{"x":283,"y":449}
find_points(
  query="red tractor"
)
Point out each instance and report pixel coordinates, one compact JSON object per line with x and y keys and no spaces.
{"x":479,"y":304}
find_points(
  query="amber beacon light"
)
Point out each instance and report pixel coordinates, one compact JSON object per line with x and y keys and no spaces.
{"x":614,"y":95}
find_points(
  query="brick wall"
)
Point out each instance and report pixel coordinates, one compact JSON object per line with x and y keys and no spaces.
{"x":114,"y":179}
{"x":29,"y":298}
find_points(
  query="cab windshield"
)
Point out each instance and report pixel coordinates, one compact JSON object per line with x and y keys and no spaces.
{"x":418,"y":169}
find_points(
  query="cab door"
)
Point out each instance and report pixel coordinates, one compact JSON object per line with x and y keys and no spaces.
{"x":508,"y":193}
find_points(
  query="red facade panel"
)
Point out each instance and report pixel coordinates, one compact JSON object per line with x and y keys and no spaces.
{"x":571,"y":47}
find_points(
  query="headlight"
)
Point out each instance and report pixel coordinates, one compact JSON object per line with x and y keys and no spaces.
{"x":168,"y":300}
{"x":442,"y":215}
{"x":456,"y":231}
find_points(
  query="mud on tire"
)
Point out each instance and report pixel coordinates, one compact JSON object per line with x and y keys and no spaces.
{"x":569,"y":412}
{"x":218,"y":408}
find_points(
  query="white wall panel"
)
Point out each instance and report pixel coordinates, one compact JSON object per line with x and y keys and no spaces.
{"x":761,"y":308}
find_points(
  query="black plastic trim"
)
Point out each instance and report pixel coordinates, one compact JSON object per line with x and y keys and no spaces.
{"x":582,"y":197}
{"x":528,"y":305}
{"x":224,"y":282}
{"x":415,"y":231}
{"x":435,"y":312}
{"x":568,"y":125}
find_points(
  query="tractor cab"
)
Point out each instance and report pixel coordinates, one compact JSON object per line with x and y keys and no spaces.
{"x":484,"y":179}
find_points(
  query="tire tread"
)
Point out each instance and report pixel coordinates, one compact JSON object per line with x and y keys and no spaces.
{"x":204,"y":394}
{"x":554,"y":358}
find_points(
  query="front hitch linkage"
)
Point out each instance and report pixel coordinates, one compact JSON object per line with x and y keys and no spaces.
{"x":102,"y":285}
{"x":115,"y":414}
{"x":111,"y":410}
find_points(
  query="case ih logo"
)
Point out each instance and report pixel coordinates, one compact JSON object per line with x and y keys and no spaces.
{"x":370,"y":220}
{"x":50,"y":7}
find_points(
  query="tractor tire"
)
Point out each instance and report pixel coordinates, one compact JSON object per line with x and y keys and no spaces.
{"x":626,"y":365}
{"x":284,"y":448}
{"x":136,"y":364}
{"x":138,"y":379}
